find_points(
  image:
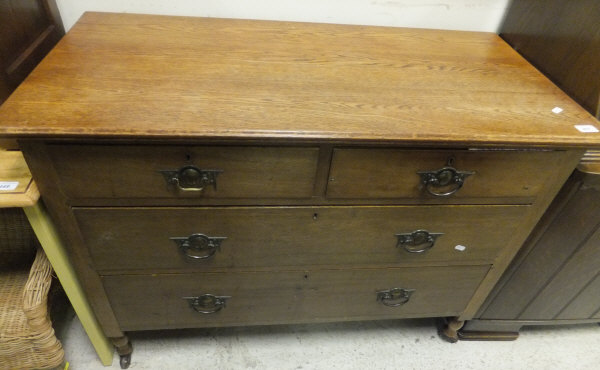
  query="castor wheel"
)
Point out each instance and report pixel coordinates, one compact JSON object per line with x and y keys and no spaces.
{"x":124,"y":349}
{"x":125,"y":361}
{"x":447,"y":338}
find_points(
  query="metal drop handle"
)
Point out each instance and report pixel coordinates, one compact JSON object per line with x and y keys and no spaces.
{"x":395,"y":297}
{"x":443,"y":178}
{"x":198,"y":246}
{"x":191,"y":178}
{"x":418,"y":241}
{"x":207,"y":303}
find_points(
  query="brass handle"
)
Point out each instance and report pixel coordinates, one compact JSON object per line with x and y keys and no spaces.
{"x":446,"y":177}
{"x":207,"y":303}
{"x":191,"y":178}
{"x":198,"y":246}
{"x":395,"y":297}
{"x":418,"y":241}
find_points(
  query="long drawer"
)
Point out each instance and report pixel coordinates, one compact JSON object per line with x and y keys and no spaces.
{"x":254,"y":298}
{"x":140,"y":171}
{"x":398,"y":173}
{"x":242,"y":237}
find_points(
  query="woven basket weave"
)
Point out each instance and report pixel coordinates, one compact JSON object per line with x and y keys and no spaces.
{"x":27,"y":339}
{"x":17,"y":240}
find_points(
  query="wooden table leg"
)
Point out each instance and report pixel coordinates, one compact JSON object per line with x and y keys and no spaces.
{"x":449,"y":329}
{"x":124,"y":349}
{"x":48,"y":238}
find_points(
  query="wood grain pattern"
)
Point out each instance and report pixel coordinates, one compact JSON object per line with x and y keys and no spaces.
{"x":28,"y":30}
{"x":109,"y":171}
{"x":562,"y":39}
{"x":393,"y":173}
{"x":577,"y":271}
{"x":155,"y":301}
{"x":138,"y":238}
{"x":59,"y":209}
{"x":513,"y":326}
{"x":561,"y":200}
{"x":120,"y":75}
{"x":585,"y":304}
{"x":561,"y":170}
{"x":558,"y":260}
{"x":122,"y":93}
{"x":590,"y":163}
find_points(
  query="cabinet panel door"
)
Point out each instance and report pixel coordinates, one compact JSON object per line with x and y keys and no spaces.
{"x":28,"y":30}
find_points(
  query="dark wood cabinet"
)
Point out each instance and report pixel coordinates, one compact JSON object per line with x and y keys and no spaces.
{"x":28,"y":31}
{"x":555,"y":278}
{"x":562,"y":39}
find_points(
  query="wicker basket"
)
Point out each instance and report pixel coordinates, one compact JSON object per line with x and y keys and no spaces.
{"x":17,"y":240}
{"x":27,"y":339}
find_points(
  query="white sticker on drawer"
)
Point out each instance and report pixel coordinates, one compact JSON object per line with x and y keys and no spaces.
{"x":460,"y":248}
{"x":8,"y":185}
{"x":586,"y":128}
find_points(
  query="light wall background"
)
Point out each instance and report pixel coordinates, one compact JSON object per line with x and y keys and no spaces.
{"x":468,"y":15}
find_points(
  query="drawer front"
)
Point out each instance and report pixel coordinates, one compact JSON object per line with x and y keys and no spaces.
{"x":157,"y":301}
{"x":104,"y":171}
{"x":140,"y":238}
{"x":393,"y":173}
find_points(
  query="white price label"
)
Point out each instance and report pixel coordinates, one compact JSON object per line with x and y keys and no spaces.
{"x":8,"y":185}
{"x":586,"y":128}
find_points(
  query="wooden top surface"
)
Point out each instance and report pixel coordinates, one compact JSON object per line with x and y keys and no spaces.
{"x":133,"y":76}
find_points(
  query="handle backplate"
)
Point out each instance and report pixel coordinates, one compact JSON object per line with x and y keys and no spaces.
{"x":198,"y":246}
{"x":448,"y":179}
{"x":207,"y":303}
{"x":418,"y":241}
{"x":191,"y":178}
{"x":394,"y":297}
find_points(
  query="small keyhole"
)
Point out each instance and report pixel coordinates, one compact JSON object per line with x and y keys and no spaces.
{"x":188,"y":157}
{"x":315,"y":216}
{"x":450,"y":161}
{"x":306,"y":276}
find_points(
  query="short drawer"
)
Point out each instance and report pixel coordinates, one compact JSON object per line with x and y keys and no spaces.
{"x":394,"y":173}
{"x":139,"y":171}
{"x":141,"y":238}
{"x":254,"y":298}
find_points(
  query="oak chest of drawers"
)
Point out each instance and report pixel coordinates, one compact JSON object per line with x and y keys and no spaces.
{"x":209,"y":172}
